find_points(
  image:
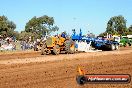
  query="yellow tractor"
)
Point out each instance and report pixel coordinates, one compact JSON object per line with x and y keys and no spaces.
{"x":56,"y":45}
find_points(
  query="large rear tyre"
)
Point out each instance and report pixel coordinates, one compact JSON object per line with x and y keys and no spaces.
{"x":56,"y":50}
{"x":69,"y":46}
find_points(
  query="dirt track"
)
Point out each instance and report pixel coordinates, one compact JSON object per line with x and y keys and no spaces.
{"x":31,"y":70}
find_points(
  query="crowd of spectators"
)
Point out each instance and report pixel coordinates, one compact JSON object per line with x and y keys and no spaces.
{"x":9,"y":43}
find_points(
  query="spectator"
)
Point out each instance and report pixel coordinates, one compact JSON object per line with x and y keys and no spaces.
{"x":63,"y":35}
{"x":23,"y":45}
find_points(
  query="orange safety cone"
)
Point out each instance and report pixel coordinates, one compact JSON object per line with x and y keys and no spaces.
{"x":81,"y":72}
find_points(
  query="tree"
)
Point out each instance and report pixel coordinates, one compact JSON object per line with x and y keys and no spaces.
{"x":116,"y":25}
{"x":41,"y":25}
{"x":25,"y":35}
{"x":91,"y":35}
{"x":102,"y":34}
{"x":6,"y":27}
{"x":16,"y":34}
{"x":130,"y":29}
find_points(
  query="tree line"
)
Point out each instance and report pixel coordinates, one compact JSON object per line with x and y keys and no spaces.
{"x":39,"y":26}
{"x":35,"y":27}
{"x":117,"y":26}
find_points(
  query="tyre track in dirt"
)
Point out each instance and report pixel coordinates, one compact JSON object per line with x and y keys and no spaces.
{"x":50,"y":58}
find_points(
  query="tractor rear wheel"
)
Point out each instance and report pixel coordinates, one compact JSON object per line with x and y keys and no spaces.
{"x":56,"y":49}
{"x":69,"y":46}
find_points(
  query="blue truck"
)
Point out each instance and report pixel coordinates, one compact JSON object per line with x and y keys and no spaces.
{"x":99,"y":43}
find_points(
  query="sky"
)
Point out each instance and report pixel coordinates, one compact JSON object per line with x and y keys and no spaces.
{"x":89,"y":15}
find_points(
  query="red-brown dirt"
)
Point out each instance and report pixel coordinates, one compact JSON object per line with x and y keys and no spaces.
{"x":31,"y":70}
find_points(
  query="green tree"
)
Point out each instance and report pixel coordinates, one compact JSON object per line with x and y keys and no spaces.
{"x":41,"y":25}
{"x":7,"y":27}
{"x":16,"y":34}
{"x":130,"y":30}
{"x":103,"y":34}
{"x":116,"y":25}
{"x":25,"y":35}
